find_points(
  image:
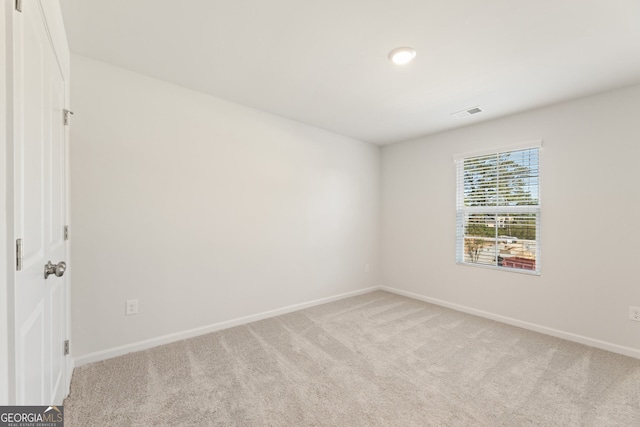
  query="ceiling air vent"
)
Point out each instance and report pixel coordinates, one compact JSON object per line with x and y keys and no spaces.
{"x":467,"y":113}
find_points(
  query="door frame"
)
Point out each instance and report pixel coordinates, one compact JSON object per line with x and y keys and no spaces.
{"x":9,"y":16}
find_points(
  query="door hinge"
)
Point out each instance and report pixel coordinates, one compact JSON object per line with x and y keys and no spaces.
{"x":66,"y":115}
{"x":19,"y":5}
{"x":66,"y":348}
{"x":19,"y":254}
{"x":66,"y":232}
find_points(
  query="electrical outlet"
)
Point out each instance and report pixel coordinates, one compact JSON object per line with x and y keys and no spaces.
{"x":131,"y":307}
{"x":366,"y":268}
{"x":634,"y":313}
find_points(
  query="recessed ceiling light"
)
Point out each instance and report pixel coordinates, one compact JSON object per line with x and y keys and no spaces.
{"x":402,"y":55}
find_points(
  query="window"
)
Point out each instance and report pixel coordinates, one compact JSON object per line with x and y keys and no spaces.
{"x":498,"y":209}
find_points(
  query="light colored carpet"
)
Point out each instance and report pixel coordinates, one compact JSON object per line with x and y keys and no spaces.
{"x":373,"y":360}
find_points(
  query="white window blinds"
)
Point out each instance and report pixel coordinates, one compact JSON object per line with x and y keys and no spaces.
{"x":498,"y":210}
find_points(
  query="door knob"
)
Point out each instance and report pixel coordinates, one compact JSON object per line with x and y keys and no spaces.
{"x":57,"y":269}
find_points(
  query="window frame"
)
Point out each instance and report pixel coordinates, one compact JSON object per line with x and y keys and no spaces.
{"x":462,"y":211}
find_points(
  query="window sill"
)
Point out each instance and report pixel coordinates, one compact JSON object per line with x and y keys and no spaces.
{"x":507,"y":269}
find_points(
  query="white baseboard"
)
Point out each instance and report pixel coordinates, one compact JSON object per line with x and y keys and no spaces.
{"x":166,"y":339}
{"x":604,"y":345}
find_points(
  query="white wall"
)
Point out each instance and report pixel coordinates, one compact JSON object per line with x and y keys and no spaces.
{"x":205,"y":210}
{"x":590,"y":213}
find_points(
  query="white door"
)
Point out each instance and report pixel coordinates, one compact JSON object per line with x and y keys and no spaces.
{"x":40,"y":202}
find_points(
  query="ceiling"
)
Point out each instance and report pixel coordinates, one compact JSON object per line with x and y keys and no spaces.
{"x":325,"y":63}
